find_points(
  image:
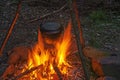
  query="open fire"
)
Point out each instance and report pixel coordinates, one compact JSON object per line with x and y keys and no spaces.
{"x":49,"y":58}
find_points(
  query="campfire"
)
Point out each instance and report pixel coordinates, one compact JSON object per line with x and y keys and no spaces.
{"x":52,"y":57}
{"x":47,"y":59}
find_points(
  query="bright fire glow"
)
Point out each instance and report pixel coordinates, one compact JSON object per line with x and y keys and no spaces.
{"x":48,"y":58}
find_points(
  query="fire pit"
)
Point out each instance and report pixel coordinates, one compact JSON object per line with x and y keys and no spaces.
{"x":49,"y":59}
{"x":53,"y":56}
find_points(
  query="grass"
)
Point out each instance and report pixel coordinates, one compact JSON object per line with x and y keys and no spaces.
{"x":101,"y":28}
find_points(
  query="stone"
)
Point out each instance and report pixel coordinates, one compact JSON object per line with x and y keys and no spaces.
{"x":106,"y":78}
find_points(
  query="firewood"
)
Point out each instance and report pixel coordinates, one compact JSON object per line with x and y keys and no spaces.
{"x":97,"y":67}
{"x":94,"y":53}
{"x":16,"y":55}
{"x":59,"y":74}
{"x":28,"y":71}
{"x":8,"y":71}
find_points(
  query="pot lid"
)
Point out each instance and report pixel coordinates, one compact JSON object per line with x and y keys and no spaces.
{"x":51,"y":28}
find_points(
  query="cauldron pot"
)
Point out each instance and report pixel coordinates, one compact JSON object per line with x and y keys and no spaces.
{"x":51,"y":31}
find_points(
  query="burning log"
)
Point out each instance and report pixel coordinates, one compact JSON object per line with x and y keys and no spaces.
{"x":59,"y":74}
{"x":28,"y":72}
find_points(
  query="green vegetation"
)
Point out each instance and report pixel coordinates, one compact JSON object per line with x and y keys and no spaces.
{"x":102,"y":28}
{"x":98,"y":16}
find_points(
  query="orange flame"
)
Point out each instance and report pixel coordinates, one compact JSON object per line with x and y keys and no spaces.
{"x":48,"y":57}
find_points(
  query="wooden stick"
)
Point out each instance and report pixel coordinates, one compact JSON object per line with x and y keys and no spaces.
{"x":82,"y":41}
{"x":76,"y":31}
{"x":27,"y":72}
{"x":48,"y":14}
{"x":38,"y":67}
{"x":11,"y":27}
{"x":58,"y":72}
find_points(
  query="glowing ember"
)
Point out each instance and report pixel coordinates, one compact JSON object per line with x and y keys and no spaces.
{"x":50,"y":57}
